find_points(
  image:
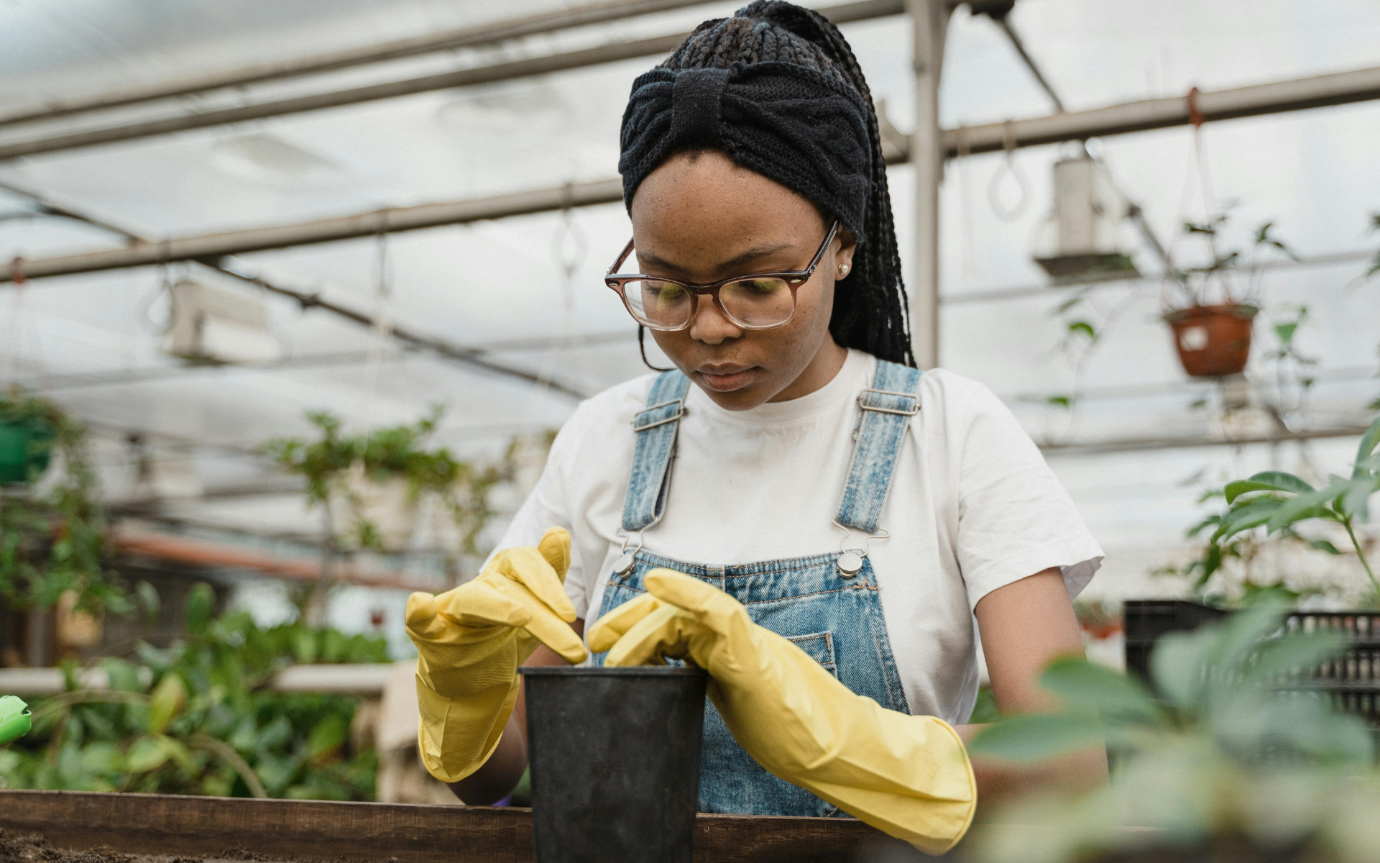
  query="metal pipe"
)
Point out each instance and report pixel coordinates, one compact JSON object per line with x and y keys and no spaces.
{"x":366,"y":679}
{"x":1255,"y":100}
{"x":929,"y":21}
{"x":1144,"y":444}
{"x":1005,"y":23}
{"x":600,"y":54}
{"x":466,"y":37}
{"x":1260,"y":99}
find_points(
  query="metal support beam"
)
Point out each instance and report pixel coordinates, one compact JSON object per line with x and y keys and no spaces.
{"x":1276,"y":97}
{"x":929,"y":21}
{"x":1260,"y":99}
{"x":449,"y":40}
{"x":245,"y":272}
{"x":656,"y":45}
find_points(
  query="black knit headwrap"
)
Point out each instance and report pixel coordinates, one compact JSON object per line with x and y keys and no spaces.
{"x":778,"y":90}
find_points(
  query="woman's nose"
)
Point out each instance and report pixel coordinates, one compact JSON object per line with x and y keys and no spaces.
{"x":710,"y":325}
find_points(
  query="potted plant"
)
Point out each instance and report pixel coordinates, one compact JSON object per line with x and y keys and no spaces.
{"x":27,"y":429}
{"x":371,"y":484}
{"x":1220,"y":762}
{"x":1215,"y":313}
{"x":53,"y":535}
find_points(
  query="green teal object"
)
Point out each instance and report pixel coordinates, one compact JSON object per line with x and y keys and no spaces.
{"x":26,"y":447}
{"x":14,"y":718}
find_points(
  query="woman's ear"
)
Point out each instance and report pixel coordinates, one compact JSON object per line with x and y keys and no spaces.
{"x":843,"y":257}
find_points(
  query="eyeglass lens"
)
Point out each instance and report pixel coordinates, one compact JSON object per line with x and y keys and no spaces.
{"x":750,"y":302}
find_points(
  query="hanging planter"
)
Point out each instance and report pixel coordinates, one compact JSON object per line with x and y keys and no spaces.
{"x":374,"y":484}
{"x":1213,"y":341}
{"x":1212,"y":326}
{"x":26,"y":447}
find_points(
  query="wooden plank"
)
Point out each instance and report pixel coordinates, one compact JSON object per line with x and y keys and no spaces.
{"x":320,"y":830}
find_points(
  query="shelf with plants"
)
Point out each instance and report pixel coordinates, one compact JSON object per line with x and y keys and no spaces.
{"x":196,"y":717}
{"x":52,"y":527}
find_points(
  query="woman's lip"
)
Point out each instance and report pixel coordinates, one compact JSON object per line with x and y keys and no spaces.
{"x":726,"y":383}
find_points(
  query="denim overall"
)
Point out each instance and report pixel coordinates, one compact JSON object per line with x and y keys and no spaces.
{"x":827,"y":604}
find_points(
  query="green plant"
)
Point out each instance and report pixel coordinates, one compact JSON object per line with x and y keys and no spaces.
{"x":53,"y":540}
{"x":1278,"y":502}
{"x":395,"y":452}
{"x":1195,"y":284}
{"x":197,"y":718}
{"x":1228,"y":753}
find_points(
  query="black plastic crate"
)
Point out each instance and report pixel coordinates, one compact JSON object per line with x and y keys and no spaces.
{"x":1146,"y":620}
{"x":1352,"y":680}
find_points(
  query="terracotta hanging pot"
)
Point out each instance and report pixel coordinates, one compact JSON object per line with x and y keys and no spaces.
{"x":1213,"y":341}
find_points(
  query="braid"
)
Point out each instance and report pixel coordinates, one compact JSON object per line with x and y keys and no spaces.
{"x":871,"y":310}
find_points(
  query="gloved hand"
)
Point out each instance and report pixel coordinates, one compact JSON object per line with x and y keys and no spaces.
{"x":470,"y":642}
{"x":908,"y":776}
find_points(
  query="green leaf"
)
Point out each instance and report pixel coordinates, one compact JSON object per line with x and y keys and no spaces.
{"x":145,"y":754}
{"x":1177,"y":663}
{"x":1036,"y":736}
{"x":1354,"y":502}
{"x":1303,"y":507}
{"x":1065,"y":402}
{"x":201,"y":604}
{"x":123,"y":675}
{"x":1367,"y":446}
{"x":1270,"y":480}
{"x":1083,"y":328}
{"x":1245,"y":516}
{"x":326,"y":737}
{"x":1292,"y":656}
{"x":167,"y":700}
{"x":1085,"y":686}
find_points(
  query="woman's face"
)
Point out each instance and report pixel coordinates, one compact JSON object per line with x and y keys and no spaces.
{"x":700,"y":218}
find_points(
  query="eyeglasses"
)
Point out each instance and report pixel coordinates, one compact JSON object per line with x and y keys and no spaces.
{"x":760,"y":301}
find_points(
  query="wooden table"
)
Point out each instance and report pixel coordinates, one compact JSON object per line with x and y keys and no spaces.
{"x":318,"y":830}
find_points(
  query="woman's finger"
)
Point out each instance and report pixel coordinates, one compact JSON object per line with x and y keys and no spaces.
{"x":556,"y":634}
{"x":652,"y":639}
{"x":528,"y":567}
{"x":474,"y":606}
{"x":608,"y":629}
{"x":555,"y":547}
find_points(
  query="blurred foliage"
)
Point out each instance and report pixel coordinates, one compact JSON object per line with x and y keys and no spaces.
{"x":1225,"y":753}
{"x":52,"y":539}
{"x":196,"y":718}
{"x":1231,"y":274}
{"x":388,"y":453}
{"x":1271,"y":505}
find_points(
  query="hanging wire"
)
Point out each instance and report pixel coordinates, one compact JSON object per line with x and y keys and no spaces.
{"x":569,"y":248}
{"x":381,"y":338}
{"x":1007,"y":168}
{"x":16,"y":332}
{"x":971,"y":265}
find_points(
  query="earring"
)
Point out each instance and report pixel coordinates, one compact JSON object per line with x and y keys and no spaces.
{"x":843,"y":270}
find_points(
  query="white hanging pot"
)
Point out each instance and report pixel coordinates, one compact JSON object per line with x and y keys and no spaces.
{"x":386,"y":504}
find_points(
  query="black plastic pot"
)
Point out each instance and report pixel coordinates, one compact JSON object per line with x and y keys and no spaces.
{"x":615,"y":761}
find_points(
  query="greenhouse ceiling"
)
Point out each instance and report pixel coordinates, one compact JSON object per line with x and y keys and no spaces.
{"x":505,"y":321}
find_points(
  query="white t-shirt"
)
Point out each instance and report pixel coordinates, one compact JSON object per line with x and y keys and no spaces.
{"x":973,"y":507}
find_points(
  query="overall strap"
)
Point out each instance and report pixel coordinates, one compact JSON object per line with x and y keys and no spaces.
{"x":887,"y":407}
{"x":656,"y":427}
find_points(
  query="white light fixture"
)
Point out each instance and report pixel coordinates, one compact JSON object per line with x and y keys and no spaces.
{"x":1082,"y":238}
{"x":215,"y":325}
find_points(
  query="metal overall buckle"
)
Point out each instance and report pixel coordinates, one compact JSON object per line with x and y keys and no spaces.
{"x":628,"y":559}
{"x":850,"y":560}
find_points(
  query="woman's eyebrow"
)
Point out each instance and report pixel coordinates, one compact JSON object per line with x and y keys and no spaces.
{"x":753,"y":254}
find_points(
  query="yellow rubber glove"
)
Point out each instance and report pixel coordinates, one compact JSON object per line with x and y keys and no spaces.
{"x":470,"y":642}
{"x":908,"y":776}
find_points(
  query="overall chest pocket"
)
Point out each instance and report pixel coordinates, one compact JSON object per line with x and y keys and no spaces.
{"x":819,"y":646}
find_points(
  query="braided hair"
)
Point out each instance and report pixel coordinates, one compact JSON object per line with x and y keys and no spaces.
{"x":871,"y":310}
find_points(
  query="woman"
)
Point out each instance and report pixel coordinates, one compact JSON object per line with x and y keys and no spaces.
{"x":837,"y":518}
